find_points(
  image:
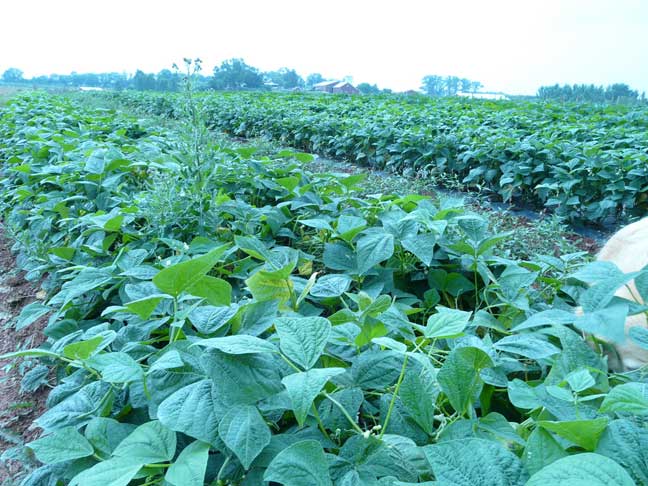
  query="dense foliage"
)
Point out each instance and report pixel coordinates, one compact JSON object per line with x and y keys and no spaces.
{"x":586,"y":162}
{"x":614,"y":93}
{"x":218,"y":317}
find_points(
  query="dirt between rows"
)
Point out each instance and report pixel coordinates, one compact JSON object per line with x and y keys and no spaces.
{"x":17,"y":410}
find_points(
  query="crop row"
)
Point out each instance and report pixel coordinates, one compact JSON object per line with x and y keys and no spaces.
{"x":584,"y":162}
{"x":217,"y":317}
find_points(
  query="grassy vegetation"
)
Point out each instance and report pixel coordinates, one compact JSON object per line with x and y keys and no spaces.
{"x":224,"y":315}
{"x":584,"y":162}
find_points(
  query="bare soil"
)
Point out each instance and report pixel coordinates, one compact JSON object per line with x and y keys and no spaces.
{"x":17,"y":410}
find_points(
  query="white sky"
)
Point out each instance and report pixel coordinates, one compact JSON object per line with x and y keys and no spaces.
{"x":513,"y":46}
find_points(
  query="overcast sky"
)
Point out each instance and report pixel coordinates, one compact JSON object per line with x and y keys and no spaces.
{"x":513,"y":46}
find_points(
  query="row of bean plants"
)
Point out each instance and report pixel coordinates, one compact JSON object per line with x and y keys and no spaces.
{"x":222,"y":318}
{"x":585,"y":162}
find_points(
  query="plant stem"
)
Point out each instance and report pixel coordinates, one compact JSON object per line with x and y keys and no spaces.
{"x":344,"y":412}
{"x":393,"y":400}
{"x":319,"y":420}
{"x":292,"y":365}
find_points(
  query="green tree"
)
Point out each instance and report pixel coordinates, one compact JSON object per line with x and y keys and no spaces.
{"x":475,"y":86}
{"x":451,"y":85}
{"x":366,"y":88}
{"x":143,"y":81}
{"x":313,"y":79}
{"x":167,"y":80}
{"x":614,"y":93}
{"x":236,"y":74}
{"x":465,"y":85}
{"x":12,"y":75}
{"x":285,"y":78}
{"x":433,"y":85}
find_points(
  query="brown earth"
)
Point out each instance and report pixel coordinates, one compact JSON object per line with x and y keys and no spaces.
{"x":17,"y":410}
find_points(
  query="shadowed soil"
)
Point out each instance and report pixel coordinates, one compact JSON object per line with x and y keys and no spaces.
{"x":17,"y":410}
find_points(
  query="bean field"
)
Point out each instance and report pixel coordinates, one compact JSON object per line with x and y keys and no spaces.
{"x":220,"y":315}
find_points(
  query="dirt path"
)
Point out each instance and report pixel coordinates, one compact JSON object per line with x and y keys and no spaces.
{"x":17,"y":410}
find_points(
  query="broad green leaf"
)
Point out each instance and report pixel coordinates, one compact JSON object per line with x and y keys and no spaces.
{"x":116,"y":367}
{"x":243,"y":379}
{"x":586,"y":469}
{"x":193,"y":410}
{"x":145,"y":307}
{"x":63,"y":252}
{"x":317,"y":223}
{"x":338,"y":256}
{"x":82,"y":349}
{"x":238,"y":344}
{"x":269,"y":286}
{"x":304,"y":387}
{"x":584,"y":433}
{"x":301,"y":464}
{"x":169,"y":360}
{"x":422,"y":246}
{"x":105,"y":434}
{"x":118,"y":471}
{"x":627,"y":443}
{"x":208,"y":318}
{"x":190,"y":467}
{"x":30,"y":314}
{"x":541,"y":450}
{"x":599,"y":295}
{"x":65,"y":444}
{"x":390,"y":344}
{"x":302,"y":339}
{"x":149,"y":443}
{"x":598,"y":271}
{"x":371,"y":329}
{"x":245,"y":433}
{"x":545,"y":318}
{"x":627,"y":398}
{"x":182,"y":276}
{"x":78,"y":409}
{"x":349,"y":226}
{"x":528,"y":345}
{"x":373,"y":249}
{"x":253,"y":247}
{"x":30,"y":353}
{"x":215,"y":290}
{"x":332,"y":285}
{"x":514,"y":281}
{"x":459,"y":376}
{"x":418,"y":393}
{"x":372,"y":458}
{"x":446,"y":323}
{"x":491,"y":241}
{"x":376,"y":370}
{"x":87,"y":280}
{"x":580,"y":380}
{"x":474,"y":227}
{"x":472,"y":462}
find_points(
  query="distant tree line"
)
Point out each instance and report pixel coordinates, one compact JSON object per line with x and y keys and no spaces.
{"x":614,"y":93}
{"x":433,"y":85}
{"x":232,"y":74}
{"x":236,"y":74}
{"x":165,"y":80}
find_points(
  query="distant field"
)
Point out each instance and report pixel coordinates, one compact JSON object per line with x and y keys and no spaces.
{"x":586,"y":162}
{"x":7,"y":92}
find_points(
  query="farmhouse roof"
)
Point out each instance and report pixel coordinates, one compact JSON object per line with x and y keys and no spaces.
{"x":326,"y":83}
